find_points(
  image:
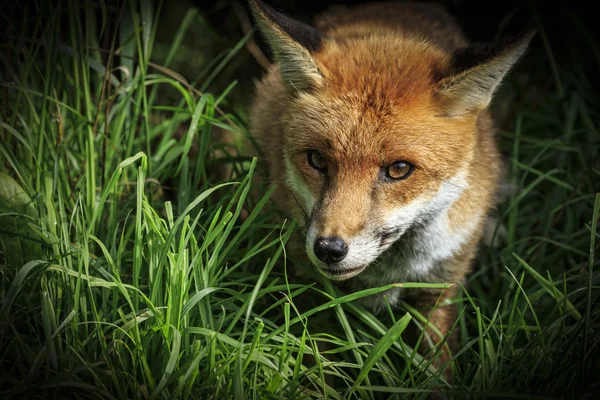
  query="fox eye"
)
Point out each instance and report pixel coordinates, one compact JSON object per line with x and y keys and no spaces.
{"x":399,"y":170}
{"x":317,"y":161}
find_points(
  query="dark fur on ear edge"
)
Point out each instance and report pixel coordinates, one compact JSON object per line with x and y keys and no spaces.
{"x":478,"y":53}
{"x":293,"y":44}
{"x":305,"y":35}
{"x":478,"y":71}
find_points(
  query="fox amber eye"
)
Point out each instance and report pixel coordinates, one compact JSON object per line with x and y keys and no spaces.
{"x":317,"y":161}
{"x":400,"y":170}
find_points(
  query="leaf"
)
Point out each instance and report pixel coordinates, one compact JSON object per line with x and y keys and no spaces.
{"x":380,"y":349}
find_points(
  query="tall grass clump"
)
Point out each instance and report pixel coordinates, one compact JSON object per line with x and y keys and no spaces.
{"x":140,"y":256}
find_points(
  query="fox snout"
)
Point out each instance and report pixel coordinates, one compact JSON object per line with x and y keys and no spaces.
{"x":341,"y":253}
{"x":340,"y":238}
{"x":340,"y":258}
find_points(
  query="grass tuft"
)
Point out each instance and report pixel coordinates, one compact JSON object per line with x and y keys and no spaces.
{"x":136,"y":261}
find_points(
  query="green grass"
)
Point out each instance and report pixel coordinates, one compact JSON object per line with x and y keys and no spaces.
{"x":127,"y":270}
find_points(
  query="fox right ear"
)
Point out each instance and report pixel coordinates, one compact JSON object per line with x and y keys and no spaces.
{"x":479,"y":72}
{"x":293,"y":43}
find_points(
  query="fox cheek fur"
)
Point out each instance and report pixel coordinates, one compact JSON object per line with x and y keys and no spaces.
{"x":368,"y":88}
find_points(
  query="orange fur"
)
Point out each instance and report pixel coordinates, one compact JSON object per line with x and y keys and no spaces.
{"x":381,"y":85}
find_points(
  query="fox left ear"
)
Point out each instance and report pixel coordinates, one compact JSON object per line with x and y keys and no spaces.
{"x":293,"y":44}
{"x":479,"y":71}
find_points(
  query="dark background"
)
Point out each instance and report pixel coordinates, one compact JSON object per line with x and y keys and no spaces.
{"x":479,"y":19}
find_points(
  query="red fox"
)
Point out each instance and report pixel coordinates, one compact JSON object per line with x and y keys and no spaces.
{"x":375,"y":127}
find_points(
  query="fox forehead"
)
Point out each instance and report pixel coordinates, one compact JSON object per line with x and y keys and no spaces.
{"x":382,"y":67}
{"x":378,"y":103}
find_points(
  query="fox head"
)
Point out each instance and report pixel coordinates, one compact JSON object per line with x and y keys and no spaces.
{"x":380,"y":131}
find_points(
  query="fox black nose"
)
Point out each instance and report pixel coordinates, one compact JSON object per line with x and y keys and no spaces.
{"x":330,"y":249}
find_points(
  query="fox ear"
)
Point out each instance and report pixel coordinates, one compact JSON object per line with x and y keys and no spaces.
{"x":478,"y":73}
{"x":292,"y":43}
